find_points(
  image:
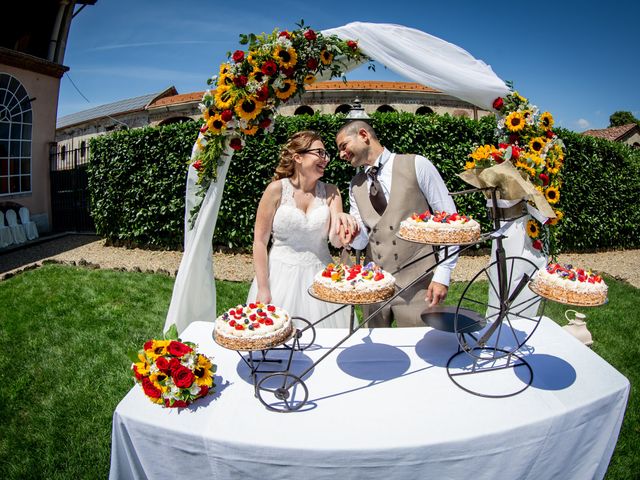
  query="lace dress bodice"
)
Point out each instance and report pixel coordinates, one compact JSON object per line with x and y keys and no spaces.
{"x":298,"y":237}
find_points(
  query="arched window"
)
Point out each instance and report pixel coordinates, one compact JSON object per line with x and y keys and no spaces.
{"x":303,"y":110}
{"x":344,"y":108}
{"x":424,"y":111}
{"x":169,"y":121}
{"x":15,"y":136}
{"x":385,"y":109}
{"x":636,"y":145}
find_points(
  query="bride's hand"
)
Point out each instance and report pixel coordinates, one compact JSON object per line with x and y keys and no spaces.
{"x":346,"y":227}
{"x":264,"y":296}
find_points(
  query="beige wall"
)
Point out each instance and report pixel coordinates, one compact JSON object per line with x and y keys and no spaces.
{"x":633,"y":139}
{"x":43,"y":90}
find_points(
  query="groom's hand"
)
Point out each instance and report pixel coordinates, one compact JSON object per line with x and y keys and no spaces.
{"x":436,"y":293}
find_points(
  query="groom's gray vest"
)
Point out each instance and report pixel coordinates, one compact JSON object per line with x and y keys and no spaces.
{"x":391,"y":252}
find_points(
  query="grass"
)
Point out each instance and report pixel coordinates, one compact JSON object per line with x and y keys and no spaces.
{"x":65,"y":332}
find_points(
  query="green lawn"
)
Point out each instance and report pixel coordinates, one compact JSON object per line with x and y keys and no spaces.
{"x":65,"y":332}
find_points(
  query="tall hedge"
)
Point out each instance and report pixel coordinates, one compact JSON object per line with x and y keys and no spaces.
{"x":137,"y":178}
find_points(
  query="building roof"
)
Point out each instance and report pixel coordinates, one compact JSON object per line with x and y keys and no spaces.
{"x":115,"y":108}
{"x":612,"y":133}
{"x":177,"y":99}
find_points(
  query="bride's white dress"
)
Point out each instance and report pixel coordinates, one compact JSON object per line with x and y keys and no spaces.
{"x":299,"y":251}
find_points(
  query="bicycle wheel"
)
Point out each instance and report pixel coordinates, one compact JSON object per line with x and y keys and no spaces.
{"x":511,"y":311}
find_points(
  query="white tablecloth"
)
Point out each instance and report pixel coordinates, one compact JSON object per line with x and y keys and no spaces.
{"x":382,"y":406}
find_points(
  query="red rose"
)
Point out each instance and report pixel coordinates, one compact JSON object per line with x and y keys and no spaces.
{"x":178,"y":349}
{"x":226,"y":115}
{"x":515,"y":152}
{"x":352,"y":45}
{"x":310,"y":35}
{"x":503,"y":145}
{"x":498,"y":103}
{"x":203,"y":391}
{"x":236,"y":144}
{"x":240,"y":81}
{"x":238,"y":56}
{"x":174,"y":364}
{"x":204,"y":128}
{"x":288,"y":72}
{"x":148,"y":345}
{"x":263,"y":94}
{"x":284,"y":34}
{"x":269,"y":67}
{"x":149,"y":389}
{"x":545,"y":179}
{"x":197,"y":165}
{"x":549,"y":134}
{"x":175,"y":404}
{"x":163,"y":365}
{"x":312,"y":64}
{"x":183,"y":377}
{"x":265,"y":123}
{"x":537,"y":244}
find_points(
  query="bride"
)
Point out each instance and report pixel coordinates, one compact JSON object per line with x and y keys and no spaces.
{"x":301,"y":213}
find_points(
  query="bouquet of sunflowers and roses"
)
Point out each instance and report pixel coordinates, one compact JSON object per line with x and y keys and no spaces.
{"x":172,"y":373}
{"x":248,"y":88}
{"x":526,"y":142}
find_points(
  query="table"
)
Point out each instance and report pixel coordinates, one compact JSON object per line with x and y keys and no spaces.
{"x":382,"y":407}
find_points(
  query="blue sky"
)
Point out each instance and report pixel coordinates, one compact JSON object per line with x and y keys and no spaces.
{"x":578,"y":60}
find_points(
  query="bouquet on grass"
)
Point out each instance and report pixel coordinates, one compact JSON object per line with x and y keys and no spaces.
{"x":172,"y":373}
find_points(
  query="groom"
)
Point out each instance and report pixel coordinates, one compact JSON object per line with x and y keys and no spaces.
{"x":392,"y":188}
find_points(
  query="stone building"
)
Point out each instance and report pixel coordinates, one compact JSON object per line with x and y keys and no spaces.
{"x":629,"y":134}
{"x":73,"y":131}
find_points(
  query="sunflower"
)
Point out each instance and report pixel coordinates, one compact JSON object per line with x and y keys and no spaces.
{"x":203,"y":371}
{"x":546,"y":121}
{"x":223,"y":98}
{"x":326,"y":57}
{"x":559,"y":216}
{"x":250,"y":130}
{"x":225,"y":80}
{"x":248,"y":108}
{"x":537,"y":144}
{"x":288,"y":88}
{"x":158,"y":347}
{"x":525,"y":166}
{"x":158,"y":380}
{"x":286,"y":57}
{"x":216,"y":124}
{"x":469,"y":165}
{"x":225,"y":69}
{"x":552,"y":194}
{"x":483,"y":153}
{"x":553,"y":166}
{"x":142,"y":367}
{"x":515,"y":122}
{"x":309,"y":79}
{"x":532,"y":229}
{"x":257,"y":75}
{"x":519,"y":97}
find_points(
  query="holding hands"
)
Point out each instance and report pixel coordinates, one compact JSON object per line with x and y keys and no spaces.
{"x":346,"y":228}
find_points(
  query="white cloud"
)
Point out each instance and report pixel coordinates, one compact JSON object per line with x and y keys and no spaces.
{"x":583,"y":123}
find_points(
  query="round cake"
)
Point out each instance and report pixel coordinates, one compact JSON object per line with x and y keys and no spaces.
{"x":565,"y":284}
{"x":255,"y":326}
{"x":357,"y":284}
{"x":440,"y":229}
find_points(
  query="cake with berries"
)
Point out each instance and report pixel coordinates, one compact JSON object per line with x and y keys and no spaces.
{"x":253,"y":326}
{"x":356,"y":284}
{"x":440,"y":228}
{"x":566,"y":284}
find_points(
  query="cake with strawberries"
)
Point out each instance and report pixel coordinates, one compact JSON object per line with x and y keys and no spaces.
{"x":440,"y":228}
{"x":565,"y":284}
{"x":356,"y":284}
{"x":253,"y":326}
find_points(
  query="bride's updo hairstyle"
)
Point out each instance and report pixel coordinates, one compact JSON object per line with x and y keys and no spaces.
{"x":297,"y":143}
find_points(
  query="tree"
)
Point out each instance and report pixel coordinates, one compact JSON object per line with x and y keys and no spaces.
{"x":622,"y":118}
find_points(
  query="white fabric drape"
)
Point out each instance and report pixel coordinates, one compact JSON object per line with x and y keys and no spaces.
{"x":426,"y":59}
{"x":411,"y":53}
{"x":194,"y":291}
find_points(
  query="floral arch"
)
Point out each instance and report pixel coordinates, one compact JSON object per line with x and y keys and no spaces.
{"x":244,"y":97}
